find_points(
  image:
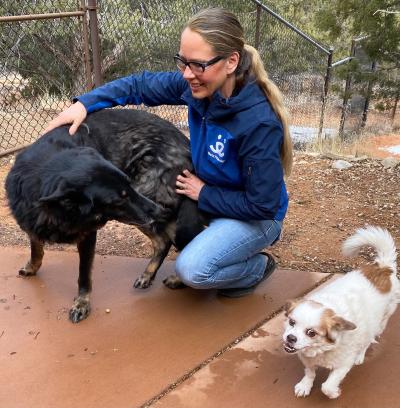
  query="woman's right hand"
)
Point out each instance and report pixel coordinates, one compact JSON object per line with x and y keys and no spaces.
{"x":75,"y":114}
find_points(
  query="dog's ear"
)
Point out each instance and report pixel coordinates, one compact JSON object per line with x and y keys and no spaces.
{"x":333,"y":324}
{"x":340,"y":324}
{"x":58,"y":194}
{"x":69,"y":198}
{"x":289,"y":306}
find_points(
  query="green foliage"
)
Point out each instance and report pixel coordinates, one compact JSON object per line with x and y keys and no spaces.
{"x":144,"y":34}
{"x":377,"y":22}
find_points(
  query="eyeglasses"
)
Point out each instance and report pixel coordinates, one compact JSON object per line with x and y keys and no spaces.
{"x":195,"y":66}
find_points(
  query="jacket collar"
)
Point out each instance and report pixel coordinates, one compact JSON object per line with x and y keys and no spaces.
{"x":219,"y":107}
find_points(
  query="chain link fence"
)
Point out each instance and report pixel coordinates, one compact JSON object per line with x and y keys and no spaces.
{"x":43,"y":61}
{"x":52,"y":50}
{"x":362,"y":108}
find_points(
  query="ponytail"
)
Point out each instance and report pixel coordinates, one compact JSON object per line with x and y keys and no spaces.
{"x":256,"y":68}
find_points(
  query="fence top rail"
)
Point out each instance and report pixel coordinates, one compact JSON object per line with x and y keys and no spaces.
{"x":292,"y":27}
{"x":25,"y":17}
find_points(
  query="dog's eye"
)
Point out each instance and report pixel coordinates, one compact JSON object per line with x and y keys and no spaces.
{"x":311,"y":333}
{"x":124,"y":194}
{"x":292,"y":322}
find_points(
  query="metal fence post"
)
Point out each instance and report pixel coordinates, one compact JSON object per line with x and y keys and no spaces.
{"x":258,"y":18}
{"x":325,"y":94}
{"x":94,"y":38}
{"x":368,"y":97}
{"x":346,"y":96}
{"x":396,"y":101}
{"x":86,"y":52}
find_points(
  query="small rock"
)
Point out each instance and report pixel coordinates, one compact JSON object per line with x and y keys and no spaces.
{"x":390,"y":163}
{"x":341,"y":164}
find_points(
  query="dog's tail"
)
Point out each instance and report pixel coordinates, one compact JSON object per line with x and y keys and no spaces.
{"x":377,"y":238}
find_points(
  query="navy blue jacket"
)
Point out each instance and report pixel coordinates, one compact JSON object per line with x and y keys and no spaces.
{"x":235,"y":142}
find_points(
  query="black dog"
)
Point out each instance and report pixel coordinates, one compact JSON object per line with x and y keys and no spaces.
{"x":60,"y":192}
{"x":63,"y":188}
{"x":152,"y":152}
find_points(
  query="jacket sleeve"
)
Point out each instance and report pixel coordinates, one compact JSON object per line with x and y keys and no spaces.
{"x":151,"y":89}
{"x":263,"y":181}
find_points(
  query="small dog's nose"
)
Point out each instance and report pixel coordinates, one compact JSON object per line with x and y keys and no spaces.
{"x":291,"y":339}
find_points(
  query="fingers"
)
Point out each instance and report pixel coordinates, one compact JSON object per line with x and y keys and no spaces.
{"x":189,"y":185}
{"x":72,"y":130}
{"x":74,"y":115}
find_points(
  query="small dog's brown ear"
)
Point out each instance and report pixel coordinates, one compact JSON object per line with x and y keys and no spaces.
{"x":343,"y":324}
{"x":289,"y":306}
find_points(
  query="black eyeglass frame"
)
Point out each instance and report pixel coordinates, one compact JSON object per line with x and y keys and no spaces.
{"x":202,"y":65}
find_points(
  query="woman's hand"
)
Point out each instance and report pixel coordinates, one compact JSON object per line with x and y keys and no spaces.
{"x":189,"y":185}
{"x":75,"y":114}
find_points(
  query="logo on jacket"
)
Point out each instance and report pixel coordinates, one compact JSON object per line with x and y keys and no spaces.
{"x":218,"y":149}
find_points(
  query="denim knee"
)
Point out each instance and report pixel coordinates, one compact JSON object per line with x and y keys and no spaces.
{"x":191,"y":272}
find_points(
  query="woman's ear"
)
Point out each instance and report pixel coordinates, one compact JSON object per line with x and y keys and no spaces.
{"x":233,"y":62}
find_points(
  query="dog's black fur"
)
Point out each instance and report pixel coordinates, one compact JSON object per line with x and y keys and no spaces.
{"x":63,"y":188}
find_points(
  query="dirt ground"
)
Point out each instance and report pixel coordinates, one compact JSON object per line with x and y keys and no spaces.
{"x":326,"y":206}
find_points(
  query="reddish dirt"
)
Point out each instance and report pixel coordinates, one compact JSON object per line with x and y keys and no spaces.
{"x":326,"y":206}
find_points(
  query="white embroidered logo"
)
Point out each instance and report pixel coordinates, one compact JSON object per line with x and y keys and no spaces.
{"x":218,"y":149}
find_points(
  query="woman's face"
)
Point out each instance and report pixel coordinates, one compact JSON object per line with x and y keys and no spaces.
{"x":218,"y":76}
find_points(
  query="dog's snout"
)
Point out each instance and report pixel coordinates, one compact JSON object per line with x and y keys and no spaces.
{"x":291,"y":338}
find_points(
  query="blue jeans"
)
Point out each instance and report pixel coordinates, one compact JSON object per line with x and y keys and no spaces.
{"x":226,"y":254}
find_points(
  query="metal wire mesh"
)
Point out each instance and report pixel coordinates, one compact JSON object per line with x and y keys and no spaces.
{"x":41,"y":66}
{"x":45,"y":62}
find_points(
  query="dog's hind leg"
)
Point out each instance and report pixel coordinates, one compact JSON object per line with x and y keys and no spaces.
{"x":37,"y":253}
{"x":81,"y":306}
{"x":161,"y":245}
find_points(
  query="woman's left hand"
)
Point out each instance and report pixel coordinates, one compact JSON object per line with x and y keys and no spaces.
{"x":189,"y":185}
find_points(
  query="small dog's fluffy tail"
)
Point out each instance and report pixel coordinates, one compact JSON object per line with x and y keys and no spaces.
{"x":377,"y":238}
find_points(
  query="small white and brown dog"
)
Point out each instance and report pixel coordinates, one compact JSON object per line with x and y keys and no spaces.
{"x":333,"y":326}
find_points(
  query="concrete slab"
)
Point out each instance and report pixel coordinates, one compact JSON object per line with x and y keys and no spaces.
{"x":257,"y":373}
{"x":126,"y":357}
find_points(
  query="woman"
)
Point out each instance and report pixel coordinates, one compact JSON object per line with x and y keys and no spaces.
{"x":240,"y":143}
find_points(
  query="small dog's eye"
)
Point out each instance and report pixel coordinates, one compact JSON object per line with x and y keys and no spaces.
{"x":124,"y":193}
{"x":311,"y":333}
{"x":292,"y":322}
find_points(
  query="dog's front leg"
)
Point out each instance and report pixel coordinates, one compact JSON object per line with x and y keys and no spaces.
{"x":303,"y":388}
{"x":81,"y":306}
{"x":37,"y":253}
{"x":331,"y":386}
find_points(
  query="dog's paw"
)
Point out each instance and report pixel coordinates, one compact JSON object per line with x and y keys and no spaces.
{"x":330,"y":391}
{"x":173,"y":282}
{"x":303,"y":388}
{"x":359,"y":359}
{"x":28,"y":270}
{"x":143,"y":282}
{"x":80,"y":309}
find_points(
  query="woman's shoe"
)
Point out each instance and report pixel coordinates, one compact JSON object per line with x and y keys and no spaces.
{"x":239,"y":292}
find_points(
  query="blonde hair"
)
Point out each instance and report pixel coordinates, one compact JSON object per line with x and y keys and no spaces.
{"x":223,"y":31}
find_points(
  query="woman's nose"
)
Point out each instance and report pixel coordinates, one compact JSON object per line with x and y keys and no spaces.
{"x":188,"y":74}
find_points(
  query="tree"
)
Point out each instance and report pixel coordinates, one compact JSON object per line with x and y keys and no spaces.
{"x":378,"y":23}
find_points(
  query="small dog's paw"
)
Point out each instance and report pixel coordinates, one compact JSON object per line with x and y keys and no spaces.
{"x":330,"y":391}
{"x":303,"y":388}
{"x":28,"y":270}
{"x":173,"y":282}
{"x":80,"y":309}
{"x":359,"y":359}
{"x":143,"y":282}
